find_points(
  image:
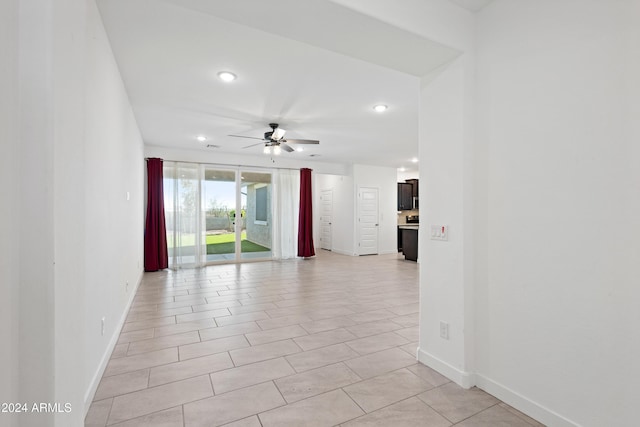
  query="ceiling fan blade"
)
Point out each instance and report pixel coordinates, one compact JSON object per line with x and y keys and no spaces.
{"x":302,"y":141}
{"x":286,"y":147}
{"x":249,"y":137}
{"x":252,"y":145}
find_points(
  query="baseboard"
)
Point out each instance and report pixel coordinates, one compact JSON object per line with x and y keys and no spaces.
{"x":522,"y":403}
{"x":341,"y":252}
{"x":510,"y":397}
{"x":462,"y":378}
{"x":95,"y":381}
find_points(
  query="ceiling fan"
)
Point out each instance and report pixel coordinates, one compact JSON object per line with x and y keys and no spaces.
{"x":274,"y":141}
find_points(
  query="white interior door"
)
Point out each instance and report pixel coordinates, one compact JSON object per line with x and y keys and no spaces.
{"x":326,"y":218}
{"x":368,"y":221}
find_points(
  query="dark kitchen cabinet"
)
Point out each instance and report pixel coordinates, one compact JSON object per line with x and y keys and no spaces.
{"x":414,"y":186}
{"x":410,"y":244}
{"x":405,"y":196}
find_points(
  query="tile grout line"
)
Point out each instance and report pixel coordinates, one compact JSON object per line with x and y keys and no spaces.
{"x":109,"y":414}
{"x":438,"y":412}
{"x":473,"y":415}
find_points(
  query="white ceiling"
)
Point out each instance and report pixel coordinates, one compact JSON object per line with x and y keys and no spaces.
{"x":314,"y":67}
{"x":472,"y":5}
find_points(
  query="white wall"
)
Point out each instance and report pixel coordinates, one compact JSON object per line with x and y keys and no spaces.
{"x":114,"y":225}
{"x":68,"y":71}
{"x":439,"y":20}
{"x":9,"y":215}
{"x":343,"y":234}
{"x":384,"y":179}
{"x":35,"y":228}
{"x":402,"y":176}
{"x":446,"y":282}
{"x":72,"y":151}
{"x":557,"y":309}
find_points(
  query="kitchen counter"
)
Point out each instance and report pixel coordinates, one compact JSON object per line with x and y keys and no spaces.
{"x":408,"y":226}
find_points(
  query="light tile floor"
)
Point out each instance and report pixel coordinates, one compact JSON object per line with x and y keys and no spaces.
{"x":320,"y":342}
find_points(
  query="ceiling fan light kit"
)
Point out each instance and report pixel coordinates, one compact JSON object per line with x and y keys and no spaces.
{"x":274,"y":141}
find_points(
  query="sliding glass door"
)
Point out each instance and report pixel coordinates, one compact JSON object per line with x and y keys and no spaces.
{"x":216,"y":215}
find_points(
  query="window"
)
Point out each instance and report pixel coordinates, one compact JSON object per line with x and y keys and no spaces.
{"x":261,"y":204}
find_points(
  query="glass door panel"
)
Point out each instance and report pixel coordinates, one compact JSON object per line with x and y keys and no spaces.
{"x":181,"y":184}
{"x":219,"y":211}
{"x":255,"y":225}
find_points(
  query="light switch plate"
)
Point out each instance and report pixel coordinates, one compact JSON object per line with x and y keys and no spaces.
{"x":439,"y":232}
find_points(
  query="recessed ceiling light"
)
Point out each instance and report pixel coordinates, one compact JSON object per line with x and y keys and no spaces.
{"x":380,"y":108}
{"x":299,"y":149}
{"x":414,"y":160}
{"x":201,"y":138}
{"x":226,"y":76}
{"x":401,"y":169}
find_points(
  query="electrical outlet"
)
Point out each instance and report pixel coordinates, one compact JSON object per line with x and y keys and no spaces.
{"x":102,"y":326}
{"x":444,"y":330}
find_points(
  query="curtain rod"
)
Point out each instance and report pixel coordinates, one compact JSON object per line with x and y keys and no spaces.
{"x":223,"y":164}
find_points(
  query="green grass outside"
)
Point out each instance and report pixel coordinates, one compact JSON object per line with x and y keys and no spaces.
{"x":212,"y":239}
{"x":229,"y":248}
{"x":219,"y":244}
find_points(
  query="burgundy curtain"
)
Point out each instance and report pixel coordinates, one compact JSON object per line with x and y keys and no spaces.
{"x":305,"y":221}
{"x":155,"y":233}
